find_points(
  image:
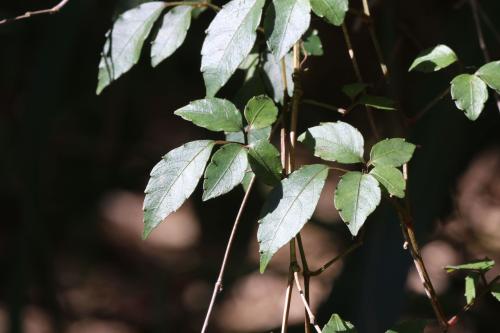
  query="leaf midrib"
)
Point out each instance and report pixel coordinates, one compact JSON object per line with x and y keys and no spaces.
{"x":224,"y":172}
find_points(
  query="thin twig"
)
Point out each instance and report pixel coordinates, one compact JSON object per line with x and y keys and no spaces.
{"x":218,"y":284}
{"x":30,"y":14}
{"x":286,"y":306}
{"x":480,"y":38}
{"x":376,"y":44}
{"x":342,"y":111}
{"x":350,"y":249}
{"x":486,"y":19}
{"x":429,"y":106}
{"x":359,"y":77}
{"x":312,"y":318}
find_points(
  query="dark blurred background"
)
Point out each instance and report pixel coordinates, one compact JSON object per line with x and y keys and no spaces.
{"x":73,"y":169}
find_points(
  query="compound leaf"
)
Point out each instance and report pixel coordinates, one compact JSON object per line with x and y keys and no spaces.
{"x":288,"y":207}
{"x":173,"y":180}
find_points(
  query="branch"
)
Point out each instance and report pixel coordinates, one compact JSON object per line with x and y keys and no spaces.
{"x":342,"y":111}
{"x":376,"y":44}
{"x":312,"y":318}
{"x":428,"y":107}
{"x":30,"y":14}
{"x":218,"y":284}
{"x":350,"y":249}
{"x":286,"y":307}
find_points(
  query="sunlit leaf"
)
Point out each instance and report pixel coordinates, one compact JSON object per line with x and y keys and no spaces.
{"x":125,"y":40}
{"x":260,"y":112}
{"x":391,"y":178}
{"x":225,"y":171}
{"x":483,"y":265}
{"x":273,"y":70}
{"x":173,"y":180}
{"x":357,"y":195}
{"x":434,"y":59}
{"x":230,"y":38}
{"x":469,"y":93}
{"x":288,"y":207}
{"x":337,"y":324}
{"x":332,"y":10}
{"x":490,"y":73}
{"x":391,"y":152}
{"x":470,"y":289}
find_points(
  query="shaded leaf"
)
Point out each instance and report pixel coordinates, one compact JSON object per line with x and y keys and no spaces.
{"x":495,"y":290}
{"x":409,"y":326}
{"x":434,"y":59}
{"x":469,"y":93}
{"x":225,"y":171}
{"x":255,"y":135}
{"x":288,"y":207}
{"x":357,"y":195}
{"x":260,"y":112}
{"x":377,"y":102}
{"x":230,"y":38}
{"x":272,"y":68}
{"x":392,"y":152}
{"x":337,"y":324}
{"x":470,"y":289}
{"x":337,"y":141}
{"x":353,"y":90}
{"x":246,"y":180}
{"x":483,"y":265}
{"x":235,"y":137}
{"x":391,"y":178}
{"x":265,"y":162}
{"x":173,"y":180}
{"x":253,"y":82}
{"x":312,"y":44}
{"x":490,"y":73}
{"x":125,"y":40}
{"x":171,"y":34}
{"x":286,"y":21}
{"x":212,"y":113}
{"x":332,"y":10}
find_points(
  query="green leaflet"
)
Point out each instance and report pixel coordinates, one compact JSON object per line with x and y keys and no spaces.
{"x":377,"y":102}
{"x":337,"y":141}
{"x":470,"y":289}
{"x":490,"y":74}
{"x":353,"y":90}
{"x":337,"y":324}
{"x":495,"y":290}
{"x":285,"y":22}
{"x":434,"y":59}
{"x":483,"y":265}
{"x":469,"y":93}
{"x":260,"y":112}
{"x":265,"y":162}
{"x":391,"y":152}
{"x":225,"y":171}
{"x":391,"y":178}
{"x":212,"y":113}
{"x":312,"y":44}
{"x":171,"y":34}
{"x":288,"y":207}
{"x":409,"y":326}
{"x":125,"y":40}
{"x":173,"y":180}
{"x":332,"y":10}
{"x":230,"y":38}
{"x":357,"y":195}
{"x":235,"y":137}
{"x":255,"y":135}
{"x":272,"y":68}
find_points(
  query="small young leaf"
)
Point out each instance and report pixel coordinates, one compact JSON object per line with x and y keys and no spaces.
{"x":260,"y":112}
{"x":214,"y":114}
{"x":230,"y":38}
{"x":312,"y":44}
{"x":337,"y":324}
{"x":469,"y":93}
{"x":288,"y":207}
{"x":391,"y":178}
{"x":483,"y":265}
{"x":337,"y":141}
{"x":495,"y":290}
{"x":265,"y":162}
{"x":409,"y":326}
{"x":286,"y":21}
{"x":377,"y":102}
{"x":470,"y":289}
{"x":353,"y":90}
{"x":171,"y":34}
{"x":225,"y":171}
{"x":391,"y":152}
{"x":125,"y":40}
{"x":173,"y":180}
{"x":272,"y":68}
{"x":332,"y":10}
{"x":490,"y":73}
{"x":434,"y":59}
{"x":255,"y":135}
{"x":357,"y":195}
